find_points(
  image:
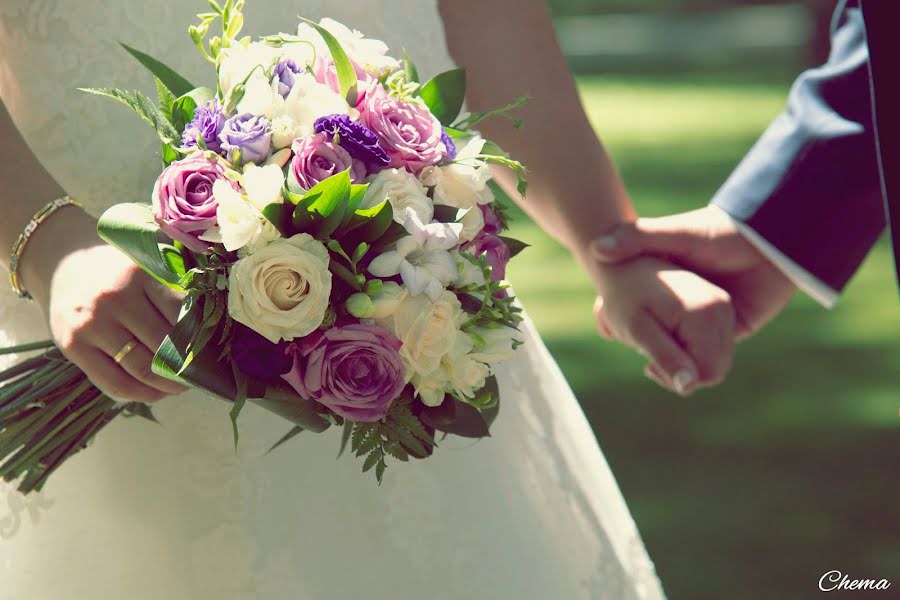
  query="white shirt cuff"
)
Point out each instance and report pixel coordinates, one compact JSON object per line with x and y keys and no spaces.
{"x":803,"y":279}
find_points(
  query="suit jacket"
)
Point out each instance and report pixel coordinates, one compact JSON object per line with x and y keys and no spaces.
{"x":821,"y":182}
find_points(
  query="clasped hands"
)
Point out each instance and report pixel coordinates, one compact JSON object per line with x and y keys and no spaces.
{"x":682,"y":290}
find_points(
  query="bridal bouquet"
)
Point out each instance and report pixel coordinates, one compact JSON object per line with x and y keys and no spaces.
{"x":333,"y":224}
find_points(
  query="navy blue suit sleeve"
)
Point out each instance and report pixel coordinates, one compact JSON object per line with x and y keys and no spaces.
{"x":810,"y":185}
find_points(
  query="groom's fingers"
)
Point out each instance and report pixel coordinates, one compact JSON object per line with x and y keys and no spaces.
{"x":676,"y":236}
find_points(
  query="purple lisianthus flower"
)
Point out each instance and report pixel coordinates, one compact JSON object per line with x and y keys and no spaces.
{"x":408,"y":132}
{"x":316,"y":158}
{"x":207,"y":123}
{"x":450,"y":145}
{"x":354,"y":137}
{"x":184,"y":206}
{"x":286,"y":73}
{"x":496,"y":254}
{"x":251,"y":134}
{"x":354,"y":370}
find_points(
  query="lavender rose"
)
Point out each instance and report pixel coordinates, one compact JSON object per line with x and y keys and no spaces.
{"x":355,"y":370}
{"x":250,"y":134}
{"x":449,"y":145}
{"x":408,"y":132}
{"x":496,"y":254}
{"x":207,"y":124}
{"x":286,"y":73}
{"x":316,"y":158}
{"x":354,"y":137}
{"x":184,"y":206}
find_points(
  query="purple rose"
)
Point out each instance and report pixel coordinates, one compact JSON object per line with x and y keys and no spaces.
{"x":492,"y":223}
{"x":354,"y":370}
{"x":207,"y":123}
{"x":250,"y":134}
{"x":183,"y":203}
{"x":408,"y":132}
{"x":449,"y":145}
{"x":496,"y":254}
{"x":354,"y":137}
{"x":286,"y":73}
{"x":316,"y":158}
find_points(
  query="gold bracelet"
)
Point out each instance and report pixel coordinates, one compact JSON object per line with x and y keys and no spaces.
{"x":19,"y":247}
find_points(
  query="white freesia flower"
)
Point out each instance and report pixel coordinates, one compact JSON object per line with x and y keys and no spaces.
{"x":263,"y":185}
{"x":402,"y":190}
{"x":464,"y":183}
{"x":467,"y":376}
{"x":259,"y":97}
{"x":494,"y":345}
{"x":432,"y":388}
{"x":239,"y":223}
{"x":367,"y":53}
{"x":240,"y":60}
{"x":281,"y":291}
{"x":429,"y":330}
{"x":421,"y":259}
{"x":282,"y":132}
{"x":472,"y":221}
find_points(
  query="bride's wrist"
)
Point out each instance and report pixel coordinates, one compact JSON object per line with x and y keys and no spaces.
{"x":67,"y":230}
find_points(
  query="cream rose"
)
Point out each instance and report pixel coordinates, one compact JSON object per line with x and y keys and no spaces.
{"x":281,"y":291}
{"x":402,"y":190}
{"x":428,"y":329}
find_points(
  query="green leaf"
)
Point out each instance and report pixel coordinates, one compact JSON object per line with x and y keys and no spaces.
{"x":177,"y":84}
{"x":184,"y":106}
{"x":282,"y":217}
{"x":143,"y":107}
{"x":373,"y":458}
{"x":294,"y":432}
{"x":174,"y":259}
{"x":321,"y":209}
{"x":444,"y":95}
{"x":345,"y":436}
{"x":131,"y":229}
{"x":239,"y":401}
{"x":345,"y":71}
{"x":139,"y":409}
{"x":412,"y":73}
{"x":379,"y":470}
{"x":359,"y":434}
{"x":368,"y":224}
{"x":467,"y":421}
{"x":279,"y":398}
{"x":515,"y":246}
{"x":165,"y":98}
{"x":357,"y":194}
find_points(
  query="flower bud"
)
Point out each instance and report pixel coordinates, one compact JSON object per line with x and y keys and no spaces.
{"x":360,"y":306}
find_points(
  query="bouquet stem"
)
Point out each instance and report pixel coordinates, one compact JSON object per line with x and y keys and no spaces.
{"x":49,"y":410}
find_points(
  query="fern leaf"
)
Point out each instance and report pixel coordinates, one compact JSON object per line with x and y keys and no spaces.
{"x":373,"y":458}
{"x":379,"y":470}
{"x":142,"y":106}
{"x":371,"y":441}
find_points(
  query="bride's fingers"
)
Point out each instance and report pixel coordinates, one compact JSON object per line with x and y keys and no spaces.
{"x":147,"y":324}
{"x":167,"y":301}
{"x":654,"y":374}
{"x":114,"y":381}
{"x":659,"y":346}
{"x":601,"y":320}
{"x":137,"y":362}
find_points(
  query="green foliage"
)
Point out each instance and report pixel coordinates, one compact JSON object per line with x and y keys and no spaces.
{"x":474,"y":119}
{"x":397,"y":435}
{"x":131,"y":229}
{"x":143,"y":107}
{"x":174,"y":82}
{"x":444,"y":95}
{"x":232,"y":21}
{"x":184,"y":106}
{"x":345,"y":71}
{"x":488,"y":304}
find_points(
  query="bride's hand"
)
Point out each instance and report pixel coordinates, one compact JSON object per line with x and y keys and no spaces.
{"x":97,"y":301}
{"x":682,"y":323}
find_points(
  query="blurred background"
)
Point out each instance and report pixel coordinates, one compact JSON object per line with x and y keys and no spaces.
{"x":790,"y":469}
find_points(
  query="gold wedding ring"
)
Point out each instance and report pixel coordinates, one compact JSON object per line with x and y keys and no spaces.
{"x":121,"y":354}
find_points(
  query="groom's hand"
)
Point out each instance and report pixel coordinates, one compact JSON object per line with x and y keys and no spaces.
{"x":707,"y":242}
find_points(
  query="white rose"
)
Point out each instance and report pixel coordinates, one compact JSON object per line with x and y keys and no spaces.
{"x":240,"y":60}
{"x":463,"y":184}
{"x":387,"y":299}
{"x":402,"y":190}
{"x":263,"y":185}
{"x":282,"y":291}
{"x":494,"y":345}
{"x":429,"y":330}
{"x":369,"y":54}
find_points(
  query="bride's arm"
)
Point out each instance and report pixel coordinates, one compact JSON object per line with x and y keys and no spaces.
{"x":509,"y":48}
{"x":94,"y":297}
{"x":681,"y":322}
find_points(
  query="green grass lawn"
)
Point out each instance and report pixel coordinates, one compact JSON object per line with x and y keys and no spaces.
{"x":790,"y":469}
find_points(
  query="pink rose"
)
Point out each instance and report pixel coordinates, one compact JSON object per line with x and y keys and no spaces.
{"x":317,"y":157}
{"x":184,"y":206}
{"x":408,"y":132}
{"x":355,"y":370}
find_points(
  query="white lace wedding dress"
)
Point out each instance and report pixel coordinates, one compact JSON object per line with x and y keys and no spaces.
{"x":172,"y":512}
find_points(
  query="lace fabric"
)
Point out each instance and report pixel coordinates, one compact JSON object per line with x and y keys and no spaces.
{"x":173,"y":511}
